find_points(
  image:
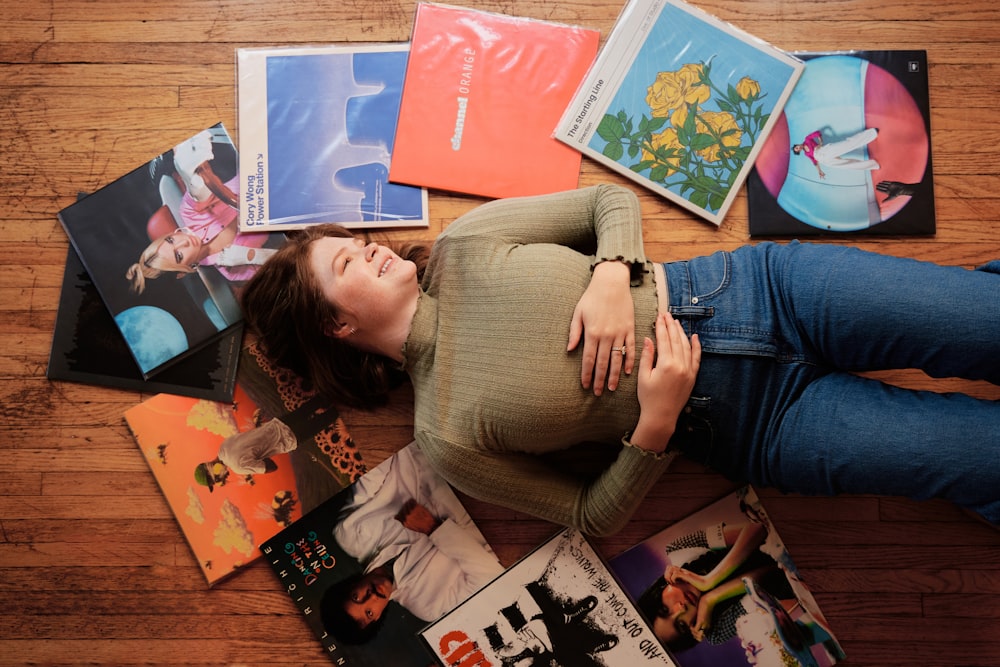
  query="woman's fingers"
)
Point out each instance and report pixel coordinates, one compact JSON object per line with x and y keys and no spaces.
{"x":604,"y":359}
{"x":676,"y":351}
{"x":629,"y":354}
{"x":622,"y":357}
{"x":671,"y":342}
{"x":646,"y":360}
{"x":695,"y":341}
{"x":678,"y":338}
{"x":604,"y":355}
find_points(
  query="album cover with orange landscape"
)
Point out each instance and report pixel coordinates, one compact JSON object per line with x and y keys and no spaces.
{"x":236,"y":473}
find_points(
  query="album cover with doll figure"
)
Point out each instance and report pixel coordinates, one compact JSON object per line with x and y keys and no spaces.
{"x":162,"y":248}
{"x":720,"y":589}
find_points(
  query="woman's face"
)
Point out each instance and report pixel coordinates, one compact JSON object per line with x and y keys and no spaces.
{"x":680,"y":600}
{"x":178,"y":251}
{"x":369,"y":284}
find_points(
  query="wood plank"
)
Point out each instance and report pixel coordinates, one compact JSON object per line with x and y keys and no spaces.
{"x":93,"y":565}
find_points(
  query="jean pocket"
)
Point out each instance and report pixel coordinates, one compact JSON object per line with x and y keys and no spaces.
{"x":694,"y":436}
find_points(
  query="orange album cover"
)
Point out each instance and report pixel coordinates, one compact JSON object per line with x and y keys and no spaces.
{"x":232,"y":474}
{"x":482,"y":95}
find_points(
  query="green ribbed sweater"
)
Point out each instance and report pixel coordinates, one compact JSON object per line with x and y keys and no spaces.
{"x":493,"y":383}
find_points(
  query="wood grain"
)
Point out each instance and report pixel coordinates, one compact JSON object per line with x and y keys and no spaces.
{"x":93,"y":568}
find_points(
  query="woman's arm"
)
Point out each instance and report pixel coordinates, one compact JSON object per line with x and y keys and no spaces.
{"x":742,"y":540}
{"x":605,"y":319}
{"x":527,"y":483}
{"x":665,"y":385}
{"x":726,"y":591}
{"x":222,"y":240}
{"x":814,"y":139}
{"x":603,"y":221}
{"x":600,"y":220}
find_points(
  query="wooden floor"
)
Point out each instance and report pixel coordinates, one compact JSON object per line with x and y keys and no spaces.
{"x":93,"y":568}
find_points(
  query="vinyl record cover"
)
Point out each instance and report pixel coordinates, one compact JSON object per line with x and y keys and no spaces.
{"x":851,"y":152}
{"x":482,"y":95}
{"x":680,"y":102}
{"x":162,"y":248}
{"x":236,"y":473}
{"x":721,"y":590}
{"x":88,"y":347}
{"x":559,"y":605}
{"x":372,"y":565}
{"x":317,"y":135}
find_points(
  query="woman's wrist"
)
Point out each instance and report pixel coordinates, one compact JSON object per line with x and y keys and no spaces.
{"x":651,"y":437}
{"x":611,"y":267}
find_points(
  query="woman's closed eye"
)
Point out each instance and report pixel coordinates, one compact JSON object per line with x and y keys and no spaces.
{"x":349,"y":256}
{"x":177,"y":255}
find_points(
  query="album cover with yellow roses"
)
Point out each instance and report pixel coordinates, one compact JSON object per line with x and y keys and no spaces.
{"x":680,"y":102}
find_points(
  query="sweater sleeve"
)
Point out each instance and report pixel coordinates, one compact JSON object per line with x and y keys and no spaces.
{"x":526,"y":483}
{"x":603,"y":220}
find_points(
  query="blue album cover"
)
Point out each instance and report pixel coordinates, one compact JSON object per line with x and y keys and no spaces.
{"x":317,"y":127}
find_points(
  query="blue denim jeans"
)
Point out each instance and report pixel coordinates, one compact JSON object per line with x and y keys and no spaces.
{"x":776,"y":403}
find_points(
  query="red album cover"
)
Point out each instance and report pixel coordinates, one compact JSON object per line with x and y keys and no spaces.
{"x":481,"y":97}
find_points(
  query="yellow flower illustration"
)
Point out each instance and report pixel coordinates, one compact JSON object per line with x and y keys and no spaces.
{"x":679,"y":116}
{"x":665,"y":139}
{"x":719,"y":122}
{"x":691,"y":141}
{"x":672,"y":90}
{"x":747,"y":88}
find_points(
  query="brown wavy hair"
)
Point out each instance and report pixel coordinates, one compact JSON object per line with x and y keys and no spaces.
{"x":285,"y":309}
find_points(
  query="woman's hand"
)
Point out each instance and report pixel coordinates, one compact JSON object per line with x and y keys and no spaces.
{"x":706,"y":604}
{"x":605,"y":318}
{"x":703,"y":619}
{"x":664,"y":387}
{"x":675,"y":573}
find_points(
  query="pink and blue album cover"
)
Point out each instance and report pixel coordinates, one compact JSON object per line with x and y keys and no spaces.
{"x":851,"y":153}
{"x":161,"y":246}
